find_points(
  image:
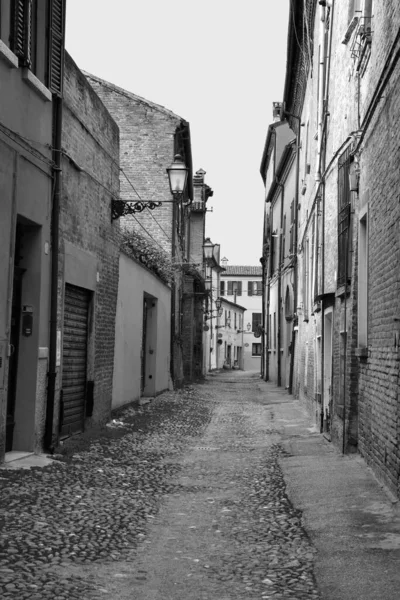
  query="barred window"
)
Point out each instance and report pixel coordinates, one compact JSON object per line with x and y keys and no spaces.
{"x":344,"y":219}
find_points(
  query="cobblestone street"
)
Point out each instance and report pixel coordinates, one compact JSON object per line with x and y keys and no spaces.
{"x":182,"y":498}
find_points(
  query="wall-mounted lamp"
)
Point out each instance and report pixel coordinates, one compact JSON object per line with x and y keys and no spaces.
{"x":177,"y":175}
{"x":248,"y":326}
{"x":218,"y":309}
{"x":208,"y":248}
{"x":354,"y":175}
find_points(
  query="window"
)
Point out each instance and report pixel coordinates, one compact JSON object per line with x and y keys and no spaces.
{"x":269,"y":332}
{"x":291,"y":230}
{"x":274,"y":333}
{"x":362,"y":282}
{"x":256,"y":349}
{"x":254,"y":288}
{"x":344,"y":219}
{"x":235,"y":320}
{"x":256,"y":321}
{"x":222,"y":288}
{"x":37,"y":38}
{"x":234,"y":287}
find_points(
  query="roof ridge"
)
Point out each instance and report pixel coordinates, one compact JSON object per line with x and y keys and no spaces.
{"x":132,"y":96}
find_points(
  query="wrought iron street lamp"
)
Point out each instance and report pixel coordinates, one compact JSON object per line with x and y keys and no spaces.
{"x":177,"y":175}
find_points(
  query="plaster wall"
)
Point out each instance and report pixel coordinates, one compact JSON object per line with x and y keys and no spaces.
{"x":136,"y":282}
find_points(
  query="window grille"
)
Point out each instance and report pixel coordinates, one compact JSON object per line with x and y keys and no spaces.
{"x":344,"y":219}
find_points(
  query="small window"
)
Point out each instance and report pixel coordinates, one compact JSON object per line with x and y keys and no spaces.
{"x":256,"y":349}
{"x":256,"y":321}
{"x":222,"y":288}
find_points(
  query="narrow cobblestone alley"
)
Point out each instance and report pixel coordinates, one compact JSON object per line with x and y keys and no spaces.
{"x":182,"y":498}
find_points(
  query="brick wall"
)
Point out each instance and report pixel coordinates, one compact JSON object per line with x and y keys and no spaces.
{"x":146,"y":150}
{"x":365,"y":399}
{"x":379,"y":432}
{"x":90,"y":178}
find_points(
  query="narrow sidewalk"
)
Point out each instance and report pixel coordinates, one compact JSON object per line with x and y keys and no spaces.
{"x":351,"y":519}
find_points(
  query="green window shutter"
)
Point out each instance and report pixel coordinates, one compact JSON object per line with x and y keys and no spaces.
{"x":222,"y":288}
{"x":230,"y":288}
{"x":56,"y":46}
{"x":21,"y":31}
{"x":249,"y":288}
{"x":239,"y":288}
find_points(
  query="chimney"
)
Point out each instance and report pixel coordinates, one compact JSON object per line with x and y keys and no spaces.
{"x":224,"y":262}
{"x":277,"y":111}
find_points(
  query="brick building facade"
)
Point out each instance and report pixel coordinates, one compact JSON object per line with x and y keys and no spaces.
{"x":151,"y":136}
{"x":88,"y":256}
{"x":341,"y":100}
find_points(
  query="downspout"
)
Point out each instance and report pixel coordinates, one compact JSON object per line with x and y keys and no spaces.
{"x":279,"y":378}
{"x":322,"y":187}
{"x":48,"y":440}
{"x":173,"y":294}
{"x":263,"y":356}
{"x":295,"y":266}
{"x":321,"y":86}
{"x":268,"y":309}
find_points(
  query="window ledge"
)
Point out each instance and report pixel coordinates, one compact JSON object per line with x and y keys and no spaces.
{"x":361,"y":352}
{"x":36,"y":85}
{"x":8,"y":56}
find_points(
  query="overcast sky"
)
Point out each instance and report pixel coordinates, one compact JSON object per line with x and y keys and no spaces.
{"x":232,"y":55}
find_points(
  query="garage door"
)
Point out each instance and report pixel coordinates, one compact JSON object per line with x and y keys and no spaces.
{"x":75,"y":334}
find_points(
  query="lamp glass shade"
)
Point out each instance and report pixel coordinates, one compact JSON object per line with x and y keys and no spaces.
{"x":248,"y":326}
{"x":218,"y":303}
{"x":220,"y":311}
{"x":353,"y":177}
{"x":177,"y":174}
{"x":207,"y":284}
{"x":208,"y":247}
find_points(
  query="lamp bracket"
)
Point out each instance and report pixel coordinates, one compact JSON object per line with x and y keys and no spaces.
{"x":120,"y":208}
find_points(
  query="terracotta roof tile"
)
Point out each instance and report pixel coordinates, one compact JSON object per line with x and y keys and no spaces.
{"x":242,"y":270}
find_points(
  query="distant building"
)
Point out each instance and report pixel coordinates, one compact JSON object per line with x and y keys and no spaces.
{"x":229,"y":336}
{"x":243,"y":285}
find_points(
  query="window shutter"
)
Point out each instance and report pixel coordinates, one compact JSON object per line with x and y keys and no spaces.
{"x":22,"y":31}
{"x":239,"y":288}
{"x":249,"y":288}
{"x":259,"y":288}
{"x":230,"y":288}
{"x":56,"y":46}
{"x":222,"y":288}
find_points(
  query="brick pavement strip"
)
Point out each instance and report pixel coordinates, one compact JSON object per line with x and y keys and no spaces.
{"x":182,"y":498}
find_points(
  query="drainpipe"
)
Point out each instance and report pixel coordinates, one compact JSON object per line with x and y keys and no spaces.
{"x":322,"y":11}
{"x":321,"y":167}
{"x":279,"y":378}
{"x":263,"y":356}
{"x":48,"y":441}
{"x":173,"y":294}
{"x":295,"y":266}
{"x":268,"y":309}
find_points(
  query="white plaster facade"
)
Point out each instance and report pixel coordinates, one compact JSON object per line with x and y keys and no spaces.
{"x":243,"y":285}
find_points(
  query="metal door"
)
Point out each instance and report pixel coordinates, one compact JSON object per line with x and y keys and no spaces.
{"x":13,"y":359}
{"x":75,"y":334}
{"x":144,"y":338}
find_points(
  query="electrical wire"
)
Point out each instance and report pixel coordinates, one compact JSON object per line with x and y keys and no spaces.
{"x":17,"y":138}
